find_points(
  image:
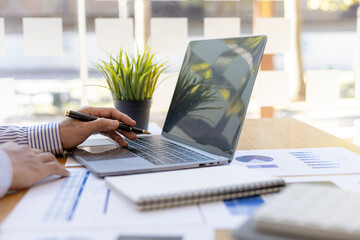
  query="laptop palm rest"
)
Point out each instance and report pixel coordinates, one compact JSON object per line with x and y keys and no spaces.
{"x":110,"y":158}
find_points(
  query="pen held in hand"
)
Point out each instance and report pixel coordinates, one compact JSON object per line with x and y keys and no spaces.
{"x":86,"y":118}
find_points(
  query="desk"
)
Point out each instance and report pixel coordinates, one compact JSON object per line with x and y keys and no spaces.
{"x":256,"y":134}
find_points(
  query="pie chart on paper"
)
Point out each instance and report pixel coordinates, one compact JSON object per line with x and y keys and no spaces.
{"x":254,"y":159}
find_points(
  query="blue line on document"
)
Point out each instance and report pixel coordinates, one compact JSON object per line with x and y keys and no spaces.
{"x":106,"y":201}
{"x":54,"y":202}
{"x":78,"y":196}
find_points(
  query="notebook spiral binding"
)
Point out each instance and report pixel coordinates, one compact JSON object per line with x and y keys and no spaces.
{"x":174,"y":200}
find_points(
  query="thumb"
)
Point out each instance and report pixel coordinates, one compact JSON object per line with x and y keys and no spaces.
{"x":103,"y":125}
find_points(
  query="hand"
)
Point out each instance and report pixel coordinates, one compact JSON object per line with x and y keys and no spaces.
{"x":30,"y":165}
{"x":73,"y":132}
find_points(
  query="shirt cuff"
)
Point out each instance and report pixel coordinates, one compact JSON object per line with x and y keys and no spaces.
{"x":5,"y":173}
{"x":45,"y":137}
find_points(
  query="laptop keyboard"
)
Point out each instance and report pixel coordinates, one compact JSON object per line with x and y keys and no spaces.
{"x":158,"y":151}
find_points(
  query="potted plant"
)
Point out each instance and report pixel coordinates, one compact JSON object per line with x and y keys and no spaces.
{"x":132,"y":81}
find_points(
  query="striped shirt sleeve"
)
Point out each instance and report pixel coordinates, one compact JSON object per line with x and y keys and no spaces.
{"x":45,"y":137}
{"x":14,"y":134}
{"x":5,"y":173}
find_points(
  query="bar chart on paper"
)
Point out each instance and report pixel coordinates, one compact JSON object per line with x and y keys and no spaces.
{"x":313,"y":160}
{"x":261,"y":161}
{"x":307,"y":161}
{"x":83,"y":201}
{"x":61,"y":202}
{"x":243,"y":206}
{"x":63,"y":206}
{"x":231,"y":213}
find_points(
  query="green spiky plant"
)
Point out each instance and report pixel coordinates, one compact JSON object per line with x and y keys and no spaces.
{"x":131,"y":77}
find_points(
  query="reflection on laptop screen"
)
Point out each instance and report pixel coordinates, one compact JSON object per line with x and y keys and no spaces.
{"x":213,"y":91}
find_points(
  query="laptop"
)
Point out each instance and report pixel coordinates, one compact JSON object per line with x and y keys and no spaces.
{"x":205,"y":116}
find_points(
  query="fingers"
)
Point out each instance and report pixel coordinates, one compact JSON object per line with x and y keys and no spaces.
{"x":52,"y":166}
{"x":109,"y":113}
{"x":36,"y":150}
{"x":103,"y":125}
{"x":55,"y":168}
{"x":31,"y":165}
{"x":47,"y":157}
{"x":128,"y":135}
{"x":117,"y":138}
{"x":114,"y":135}
{"x":108,"y":125}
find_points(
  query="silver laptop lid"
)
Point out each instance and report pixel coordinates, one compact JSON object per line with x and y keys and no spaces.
{"x":213,"y":90}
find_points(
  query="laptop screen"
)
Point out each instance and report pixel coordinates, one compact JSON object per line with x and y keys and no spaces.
{"x":212,"y":93}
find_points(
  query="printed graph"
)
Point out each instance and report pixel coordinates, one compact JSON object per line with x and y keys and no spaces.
{"x":263,"y":166}
{"x":254,"y":159}
{"x":63,"y":206}
{"x":243,"y":206}
{"x":314,"y":161}
{"x":257,"y":161}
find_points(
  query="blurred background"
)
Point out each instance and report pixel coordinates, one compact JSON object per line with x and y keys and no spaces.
{"x":310,"y":71}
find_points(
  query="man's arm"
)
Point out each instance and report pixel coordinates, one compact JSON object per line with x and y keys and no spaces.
{"x":5,"y":173}
{"x":56,"y":137}
{"x":44,"y":137}
{"x":26,"y":158}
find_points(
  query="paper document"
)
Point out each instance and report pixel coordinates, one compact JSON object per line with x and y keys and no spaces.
{"x":293,"y":162}
{"x":154,"y":129}
{"x":345,"y":182}
{"x":82,"y":200}
{"x":189,"y":233}
{"x":229,"y":214}
{"x":72,"y":162}
{"x":97,"y":140}
{"x":351,"y":183}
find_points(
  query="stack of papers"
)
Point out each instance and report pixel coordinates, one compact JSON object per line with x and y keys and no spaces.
{"x":300,"y":162}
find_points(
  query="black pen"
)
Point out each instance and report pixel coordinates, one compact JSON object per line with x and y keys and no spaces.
{"x":86,"y":118}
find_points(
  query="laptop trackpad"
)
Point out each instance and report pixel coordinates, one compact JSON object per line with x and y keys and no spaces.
{"x":105,"y":152}
{"x":110,"y":158}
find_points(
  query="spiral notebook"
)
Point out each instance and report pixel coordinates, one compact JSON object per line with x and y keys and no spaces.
{"x":152,"y":191}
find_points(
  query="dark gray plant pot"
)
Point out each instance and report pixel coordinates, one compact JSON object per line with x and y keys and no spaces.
{"x":137,"y":110}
